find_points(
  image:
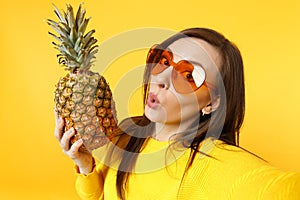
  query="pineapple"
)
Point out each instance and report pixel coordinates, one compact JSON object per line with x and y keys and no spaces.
{"x":83,"y":97}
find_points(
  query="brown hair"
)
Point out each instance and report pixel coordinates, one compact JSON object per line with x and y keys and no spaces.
{"x":231,"y":109}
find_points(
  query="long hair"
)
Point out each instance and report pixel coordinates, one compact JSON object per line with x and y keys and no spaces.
{"x":231,"y":109}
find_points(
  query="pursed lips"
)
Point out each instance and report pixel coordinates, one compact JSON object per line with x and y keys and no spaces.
{"x":152,"y":100}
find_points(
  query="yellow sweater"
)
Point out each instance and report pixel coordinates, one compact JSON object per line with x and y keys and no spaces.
{"x":233,"y":174}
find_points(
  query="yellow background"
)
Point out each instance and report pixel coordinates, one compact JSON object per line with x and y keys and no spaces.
{"x":267,"y":33}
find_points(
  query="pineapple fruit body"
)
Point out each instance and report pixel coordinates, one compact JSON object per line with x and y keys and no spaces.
{"x":83,"y":97}
{"x":84,"y":100}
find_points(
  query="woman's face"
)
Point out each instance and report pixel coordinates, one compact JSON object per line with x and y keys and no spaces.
{"x":168,"y":106}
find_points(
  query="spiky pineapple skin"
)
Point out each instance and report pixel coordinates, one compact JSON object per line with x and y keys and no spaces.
{"x":84,"y":100}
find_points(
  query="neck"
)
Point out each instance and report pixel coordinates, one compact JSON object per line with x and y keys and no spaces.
{"x":164,"y":132}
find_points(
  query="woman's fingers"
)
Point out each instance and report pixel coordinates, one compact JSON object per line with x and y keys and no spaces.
{"x":65,"y":140}
{"x":81,"y":159}
{"x":74,"y":149}
{"x":59,"y":128}
{"x":55,"y":115}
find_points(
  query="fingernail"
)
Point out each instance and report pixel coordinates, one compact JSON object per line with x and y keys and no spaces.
{"x":71,"y":130}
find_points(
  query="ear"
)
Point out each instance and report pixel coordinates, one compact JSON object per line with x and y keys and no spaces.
{"x":212,"y":106}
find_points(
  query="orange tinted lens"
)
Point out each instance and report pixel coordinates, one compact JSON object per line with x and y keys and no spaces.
{"x":163,"y":62}
{"x":158,"y":69}
{"x":182,"y":77}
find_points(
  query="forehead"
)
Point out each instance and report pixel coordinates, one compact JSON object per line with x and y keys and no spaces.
{"x":197,"y":51}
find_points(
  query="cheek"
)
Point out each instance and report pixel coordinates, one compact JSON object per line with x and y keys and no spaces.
{"x":189,"y":107}
{"x":203,"y":97}
{"x":191,"y":104}
{"x":180,"y":108}
{"x":172,"y":105}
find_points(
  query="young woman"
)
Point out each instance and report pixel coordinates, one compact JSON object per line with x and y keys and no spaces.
{"x":185,"y":146}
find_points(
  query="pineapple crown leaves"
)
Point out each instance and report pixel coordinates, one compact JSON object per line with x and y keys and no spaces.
{"x":77,"y":49}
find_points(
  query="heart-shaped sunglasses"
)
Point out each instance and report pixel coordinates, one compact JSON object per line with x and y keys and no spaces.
{"x":187,"y":76}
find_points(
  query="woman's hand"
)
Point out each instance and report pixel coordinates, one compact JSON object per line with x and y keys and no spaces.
{"x":83,"y":160}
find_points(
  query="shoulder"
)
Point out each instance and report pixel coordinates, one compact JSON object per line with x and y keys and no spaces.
{"x":241,"y":173}
{"x":224,"y":154}
{"x":218,"y":159}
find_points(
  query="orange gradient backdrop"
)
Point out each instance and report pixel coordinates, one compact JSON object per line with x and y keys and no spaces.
{"x":267,"y":33}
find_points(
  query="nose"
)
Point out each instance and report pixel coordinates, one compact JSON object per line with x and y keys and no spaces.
{"x":161,"y":83}
{"x":163,"y":79}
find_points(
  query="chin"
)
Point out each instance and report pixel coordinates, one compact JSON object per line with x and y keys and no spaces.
{"x":155,"y":115}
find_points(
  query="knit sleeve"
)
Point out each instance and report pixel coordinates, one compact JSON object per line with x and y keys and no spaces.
{"x":90,"y":186}
{"x":267,"y":183}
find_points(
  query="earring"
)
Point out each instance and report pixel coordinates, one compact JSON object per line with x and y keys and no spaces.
{"x":206,"y":110}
